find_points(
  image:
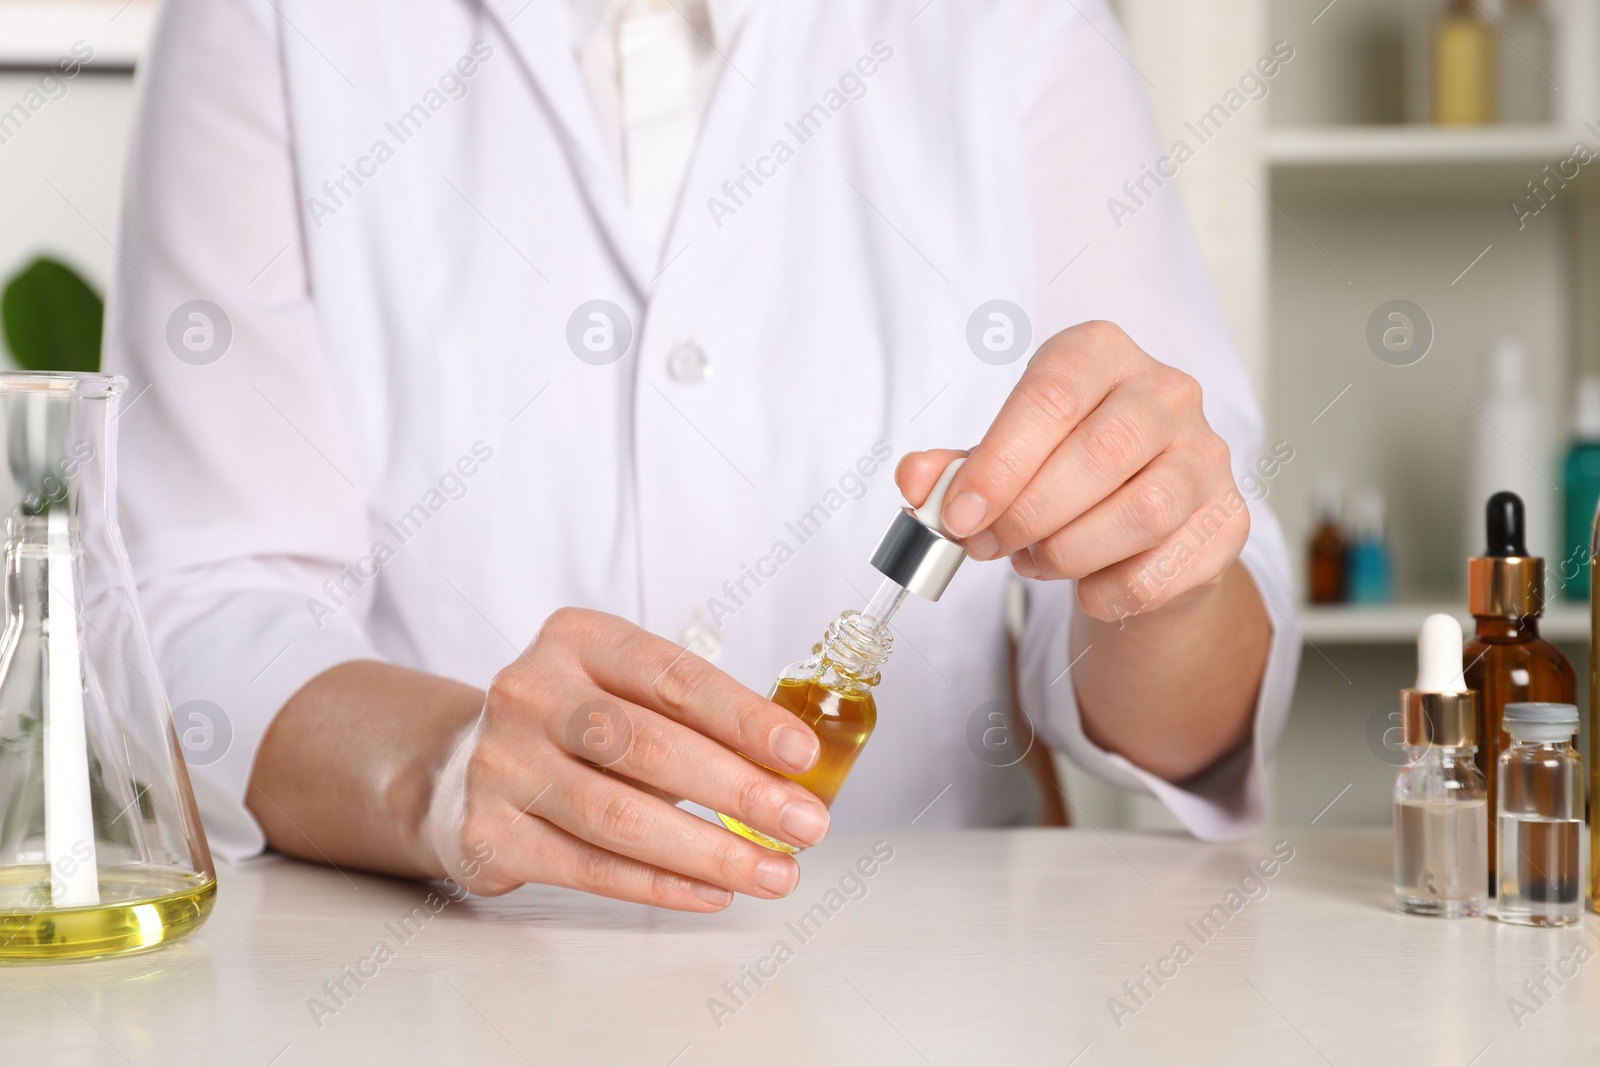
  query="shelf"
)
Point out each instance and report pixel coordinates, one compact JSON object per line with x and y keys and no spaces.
{"x":1357,"y":146}
{"x":1395,"y":624}
{"x":1365,"y":159}
{"x":36,"y":34}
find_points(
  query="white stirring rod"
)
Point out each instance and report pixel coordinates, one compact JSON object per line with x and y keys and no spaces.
{"x":68,"y":816}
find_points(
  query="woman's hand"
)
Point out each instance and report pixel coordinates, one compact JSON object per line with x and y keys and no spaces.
{"x":1100,"y":467}
{"x":568,"y":775}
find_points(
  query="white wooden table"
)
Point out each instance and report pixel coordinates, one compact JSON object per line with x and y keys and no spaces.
{"x":967,"y":948}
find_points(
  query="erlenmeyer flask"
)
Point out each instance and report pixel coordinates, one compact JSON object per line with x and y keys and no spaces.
{"x":101,"y":849}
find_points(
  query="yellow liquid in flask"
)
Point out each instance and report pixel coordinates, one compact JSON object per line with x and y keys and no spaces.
{"x":140,"y":909}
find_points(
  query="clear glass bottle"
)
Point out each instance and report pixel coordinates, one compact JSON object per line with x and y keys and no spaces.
{"x":1541,"y":817}
{"x":1526,"y":61}
{"x":1441,"y":849}
{"x":101,"y":849}
{"x":831,"y":691}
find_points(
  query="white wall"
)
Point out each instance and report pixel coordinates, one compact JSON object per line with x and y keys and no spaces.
{"x":77,"y":145}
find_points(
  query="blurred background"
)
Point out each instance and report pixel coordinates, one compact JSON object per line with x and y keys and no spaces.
{"x":1401,"y":219}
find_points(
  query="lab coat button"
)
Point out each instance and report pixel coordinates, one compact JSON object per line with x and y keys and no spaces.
{"x":701,"y":638}
{"x":687,"y":364}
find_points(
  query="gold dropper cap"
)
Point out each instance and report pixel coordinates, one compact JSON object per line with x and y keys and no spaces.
{"x":1439,"y":709}
{"x":1512,"y":586}
{"x":1444,"y":720}
{"x":1505,"y":581}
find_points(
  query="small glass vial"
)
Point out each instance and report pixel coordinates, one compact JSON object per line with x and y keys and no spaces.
{"x":1541,"y":817}
{"x":1441,"y":848}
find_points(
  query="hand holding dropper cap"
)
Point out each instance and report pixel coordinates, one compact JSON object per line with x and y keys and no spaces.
{"x":917,"y":551}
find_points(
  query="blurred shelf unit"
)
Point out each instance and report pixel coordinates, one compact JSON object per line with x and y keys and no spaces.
{"x":1324,"y":198}
{"x":36,"y":34}
{"x":1397,"y":624}
{"x":1419,"y":146}
{"x":1334,"y":160}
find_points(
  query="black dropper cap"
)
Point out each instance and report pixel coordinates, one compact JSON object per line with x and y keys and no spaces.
{"x":1505,"y":582}
{"x":1506,"y":526}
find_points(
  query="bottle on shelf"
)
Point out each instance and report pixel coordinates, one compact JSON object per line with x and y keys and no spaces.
{"x":1369,"y":571}
{"x":1511,"y":449}
{"x":1527,"y":63}
{"x":1594,"y":734}
{"x":1441,"y":849}
{"x":1580,"y":491}
{"x":1540,"y":818}
{"x":831,"y":690}
{"x":1463,"y":66}
{"x":1326,"y":551}
{"x":1507,"y":661}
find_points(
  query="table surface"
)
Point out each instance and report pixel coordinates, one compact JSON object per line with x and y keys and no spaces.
{"x":979,"y":947}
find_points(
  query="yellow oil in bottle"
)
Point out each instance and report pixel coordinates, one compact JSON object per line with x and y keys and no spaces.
{"x":842,"y":718}
{"x":141,"y":908}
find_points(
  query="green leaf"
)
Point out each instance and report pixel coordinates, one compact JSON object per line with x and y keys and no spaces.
{"x":52,"y":318}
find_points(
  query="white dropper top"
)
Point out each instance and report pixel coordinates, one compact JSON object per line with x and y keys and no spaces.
{"x":931,"y":513}
{"x":1508,"y":367}
{"x":1368,"y":516}
{"x":1329,"y":501}
{"x":1586,"y":415}
{"x":1439,"y":667}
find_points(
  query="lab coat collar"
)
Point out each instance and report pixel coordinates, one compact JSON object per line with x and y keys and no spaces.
{"x":539,"y":32}
{"x":586,"y":17}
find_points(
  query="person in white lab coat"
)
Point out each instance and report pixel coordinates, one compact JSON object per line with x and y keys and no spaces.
{"x":491,"y":358}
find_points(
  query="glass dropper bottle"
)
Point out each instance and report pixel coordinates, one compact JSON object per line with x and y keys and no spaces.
{"x":1507,"y":660}
{"x":831,"y":690}
{"x":1441,"y":851}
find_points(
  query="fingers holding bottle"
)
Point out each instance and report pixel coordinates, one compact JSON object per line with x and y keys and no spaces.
{"x":570,"y":782}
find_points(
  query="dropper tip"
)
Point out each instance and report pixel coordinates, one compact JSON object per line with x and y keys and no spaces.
{"x":885,"y":601}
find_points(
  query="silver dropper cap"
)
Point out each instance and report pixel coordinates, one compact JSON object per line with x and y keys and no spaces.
{"x":917,"y":551}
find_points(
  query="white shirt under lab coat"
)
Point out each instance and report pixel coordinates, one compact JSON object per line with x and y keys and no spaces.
{"x":650,"y":68}
{"x":405,"y":211}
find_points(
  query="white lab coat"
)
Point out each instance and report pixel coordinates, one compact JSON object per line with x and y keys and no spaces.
{"x":399,"y":455}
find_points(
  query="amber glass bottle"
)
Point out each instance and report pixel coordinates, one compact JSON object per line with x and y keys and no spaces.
{"x":1326,"y":552}
{"x":1507,"y":661}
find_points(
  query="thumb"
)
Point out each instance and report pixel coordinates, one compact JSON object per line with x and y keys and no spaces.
{"x":918,"y":471}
